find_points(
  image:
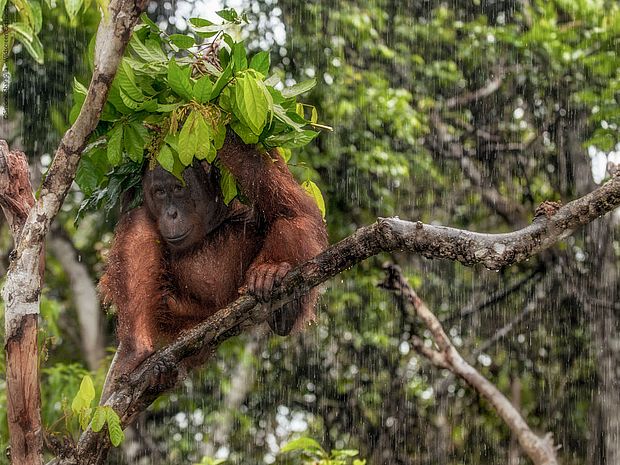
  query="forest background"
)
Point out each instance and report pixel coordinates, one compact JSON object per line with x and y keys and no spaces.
{"x":461,"y":113}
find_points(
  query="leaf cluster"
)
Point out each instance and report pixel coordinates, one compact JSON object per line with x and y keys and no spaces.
{"x":24,"y":20}
{"x":174,"y":99}
{"x":98,"y":417}
{"x":311,"y":452}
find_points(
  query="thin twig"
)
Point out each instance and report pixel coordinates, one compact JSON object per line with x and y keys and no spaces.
{"x":540,"y":450}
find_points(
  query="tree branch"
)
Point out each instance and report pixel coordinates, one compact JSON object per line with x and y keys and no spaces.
{"x":167,"y":367}
{"x":540,"y":450}
{"x":489,"y":88}
{"x":512,"y":212}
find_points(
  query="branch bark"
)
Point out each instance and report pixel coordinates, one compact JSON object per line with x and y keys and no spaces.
{"x":540,"y":450}
{"x":167,"y":367}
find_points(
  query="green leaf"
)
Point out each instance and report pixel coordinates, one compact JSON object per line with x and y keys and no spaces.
{"x":92,"y":168}
{"x":188,"y":142}
{"x":37,"y":16}
{"x":2,"y":7}
{"x":314,"y":191}
{"x":133,"y":141}
{"x":314,"y":116}
{"x":182,"y":41}
{"x":272,"y":81}
{"x":99,"y":419}
{"x":149,"y":52}
{"x":207,"y":31}
{"x":239,"y":59}
{"x":224,"y":57}
{"x":291,"y":140}
{"x":202,"y":134}
{"x":227,"y":184}
{"x":200,"y":22}
{"x":280,"y":114}
{"x":114,"y":98}
{"x":246,"y":134}
{"x":299,"y":88}
{"x":250,"y":104}
{"x":127,"y":82}
{"x":222,"y":81}
{"x":109,"y":113}
{"x":84,"y":418}
{"x":84,"y":396}
{"x":79,"y":95}
{"x":302,"y":444}
{"x":146,"y":20}
{"x":24,"y":33}
{"x":341,"y":453}
{"x":167,"y":107}
{"x":202,"y":89}
{"x":129,"y":102}
{"x":225,"y":100}
{"x":78,"y":101}
{"x":150,"y":105}
{"x":79,"y":88}
{"x":165,"y":158}
{"x":261,"y":62}
{"x":173,"y":141}
{"x":227,"y":14}
{"x":114,"y":427}
{"x":285,"y":153}
{"x":219,"y":136}
{"x":73,"y":8}
{"x":179,"y":80}
{"x":115,"y":137}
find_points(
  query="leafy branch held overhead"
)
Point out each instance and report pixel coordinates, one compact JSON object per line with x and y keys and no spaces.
{"x":174,"y":111}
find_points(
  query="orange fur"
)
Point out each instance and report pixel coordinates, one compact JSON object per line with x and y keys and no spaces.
{"x":157,"y":297}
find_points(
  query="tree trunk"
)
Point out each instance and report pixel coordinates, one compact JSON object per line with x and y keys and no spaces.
{"x":23,"y":397}
{"x":21,"y":319}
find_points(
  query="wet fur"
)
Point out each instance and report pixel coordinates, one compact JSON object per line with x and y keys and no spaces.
{"x":157,"y":295}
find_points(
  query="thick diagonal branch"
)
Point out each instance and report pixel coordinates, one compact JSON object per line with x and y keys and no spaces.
{"x":540,"y":450}
{"x":166,"y":368}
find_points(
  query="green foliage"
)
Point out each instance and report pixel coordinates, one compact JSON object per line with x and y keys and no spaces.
{"x":25,"y":20}
{"x":315,"y":193}
{"x":97,"y":417}
{"x":311,"y":452}
{"x":174,"y":111}
{"x":80,"y":405}
{"x":24,"y":24}
{"x":104,"y":415}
